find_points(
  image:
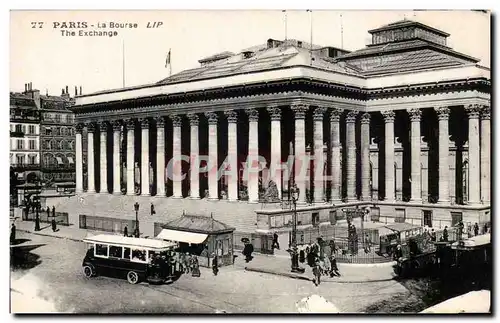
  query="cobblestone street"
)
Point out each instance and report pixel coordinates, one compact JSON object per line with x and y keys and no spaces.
{"x":53,"y":266}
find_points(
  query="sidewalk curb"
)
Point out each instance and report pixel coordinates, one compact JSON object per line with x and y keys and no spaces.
{"x":48,"y":235}
{"x":272,"y":272}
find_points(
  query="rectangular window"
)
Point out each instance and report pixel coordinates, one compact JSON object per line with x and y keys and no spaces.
{"x":115,"y":251}
{"x":225,"y":247}
{"x":20,"y":144}
{"x":31,"y":130}
{"x":427,"y":216}
{"x":19,"y":128}
{"x":48,"y":131}
{"x":138,"y":255}
{"x":58,"y":118}
{"x":126,"y":253}
{"x":101,"y":250}
{"x":456,"y":217}
{"x":400,"y":216}
{"x":32,"y":145}
{"x":20,"y":159}
{"x":31,"y":159}
{"x":315,"y":219}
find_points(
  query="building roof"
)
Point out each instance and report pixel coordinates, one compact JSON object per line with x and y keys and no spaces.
{"x":407,"y":23}
{"x":198,"y":224}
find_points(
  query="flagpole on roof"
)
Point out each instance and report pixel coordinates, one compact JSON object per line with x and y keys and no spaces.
{"x":341,"y":32}
{"x":311,"y":29}
{"x":286,"y":26}
{"x":170,"y":61}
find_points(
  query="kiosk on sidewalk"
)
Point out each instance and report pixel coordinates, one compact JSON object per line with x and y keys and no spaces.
{"x":202,"y":236}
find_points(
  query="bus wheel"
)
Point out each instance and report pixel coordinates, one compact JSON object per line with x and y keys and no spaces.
{"x":88,"y":271}
{"x":132,"y":277}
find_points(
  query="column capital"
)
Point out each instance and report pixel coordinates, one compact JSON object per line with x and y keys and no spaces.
{"x":253,"y":114}
{"x":365,"y":118}
{"x":443,"y":113}
{"x":415,"y":114}
{"x":318,"y":113}
{"x":473,"y":110}
{"x":144,"y":123}
{"x":274,"y":112}
{"x":117,"y":125}
{"x":90,"y":127}
{"x":351,"y":116}
{"x":160,"y":121}
{"x":299,"y":109}
{"x":103,"y":126}
{"x":231,"y":115}
{"x":79,"y":127}
{"x":176,"y":120}
{"x":194,"y":120}
{"x":486,"y":112}
{"x":212,"y":117}
{"x":389,"y":116}
{"x":335,"y":114}
{"x":130,"y":123}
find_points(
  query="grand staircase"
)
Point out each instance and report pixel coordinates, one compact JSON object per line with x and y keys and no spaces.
{"x":240,"y":215}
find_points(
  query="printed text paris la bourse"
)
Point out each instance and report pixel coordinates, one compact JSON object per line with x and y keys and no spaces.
{"x":84,"y":28}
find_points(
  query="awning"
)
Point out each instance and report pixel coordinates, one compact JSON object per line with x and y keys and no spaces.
{"x":70,"y":159}
{"x":59,"y":160}
{"x":182,"y":236}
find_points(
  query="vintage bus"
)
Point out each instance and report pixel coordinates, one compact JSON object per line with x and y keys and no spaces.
{"x":136,"y":259}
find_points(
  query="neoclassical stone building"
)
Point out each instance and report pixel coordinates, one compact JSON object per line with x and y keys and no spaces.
{"x":401,"y":126}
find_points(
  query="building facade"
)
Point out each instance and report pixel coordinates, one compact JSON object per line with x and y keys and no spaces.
{"x":57,"y":140}
{"x":405,"y":123}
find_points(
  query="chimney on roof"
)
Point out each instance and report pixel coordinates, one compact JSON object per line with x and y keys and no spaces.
{"x":80,"y":90}
{"x":67,"y":92}
{"x":62,"y":92}
{"x":76,"y":91}
{"x":25,"y":87}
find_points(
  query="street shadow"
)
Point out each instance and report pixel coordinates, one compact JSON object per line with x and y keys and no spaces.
{"x":19,"y":241}
{"x":22,"y":258}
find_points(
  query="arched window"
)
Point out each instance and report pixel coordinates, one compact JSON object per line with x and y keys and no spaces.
{"x":59,"y":145}
{"x":71,"y":145}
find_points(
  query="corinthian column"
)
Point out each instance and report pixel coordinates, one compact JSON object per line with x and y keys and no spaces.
{"x":117,"y":127}
{"x":90,"y":158}
{"x":365,"y":157}
{"x":130,"y":157}
{"x":160,"y":155}
{"x":213,"y":180}
{"x":390,"y":185}
{"x":336,"y":192}
{"x":416,"y":185}
{"x":485,"y":154}
{"x":473,"y":111}
{"x":232,"y":154}
{"x":275,"y":167}
{"x":145,"y":157}
{"x":301,"y":160}
{"x":253,"y":155}
{"x":194,"y":184}
{"x":351,"y":154}
{"x":79,"y":158}
{"x":444,"y":144}
{"x":319,"y":159}
{"x":103,"y":127}
{"x":176,"y":157}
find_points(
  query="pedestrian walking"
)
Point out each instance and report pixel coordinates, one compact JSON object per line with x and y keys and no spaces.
{"x":187,"y":262}
{"x":13,"y":233}
{"x":334,"y":269}
{"x":195,"y":270}
{"x":247,"y":252}
{"x":153,"y":212}
{"x":317,"y":273}
{"x":433,"y":235}
{"x":125,"y":231}
{"x":476,"y":229}
{"x":445,"y":233}
{"x":368,"y":243}
{"x":485,"y":228}
{"x":48,"y":211}
{"x":215,"y":265}
{"x":54,"y":225}
{"x":276,"y":244}
{"x":53,"y":211}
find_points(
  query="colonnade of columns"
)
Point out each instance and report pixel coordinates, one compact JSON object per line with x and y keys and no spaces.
{"x":478,"y":154}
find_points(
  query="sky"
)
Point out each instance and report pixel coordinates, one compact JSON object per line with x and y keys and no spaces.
{"x":51,"y":61}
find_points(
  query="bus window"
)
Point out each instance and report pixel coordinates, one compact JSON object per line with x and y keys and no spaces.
{"x":115,"y":251}
{"x":151,"y":255}
{"x":126,"y":253}
{"x":101,"y":250}
{"x":138,"y":255}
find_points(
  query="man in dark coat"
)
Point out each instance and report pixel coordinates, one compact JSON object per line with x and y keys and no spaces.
{"x":247,"y":251}
{"x":476,"y":229}
{"x":153,"y":212}
{"x":54,"y":225}
{"x":13,"y":233}
{"x":53,"y":211}
{"x":125,"y":231}
{"x":445,"y":233}
{"x":433,"y":235}
{"x":215,"y":265}
{"x":48,"y":211}
{"x":276,"y":243}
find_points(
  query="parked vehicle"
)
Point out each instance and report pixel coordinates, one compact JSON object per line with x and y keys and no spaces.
{"x":136,"y":259}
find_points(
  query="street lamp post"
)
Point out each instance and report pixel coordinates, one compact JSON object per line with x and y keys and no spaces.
{"x":136,"y":207}
{"x":294,"y":251}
